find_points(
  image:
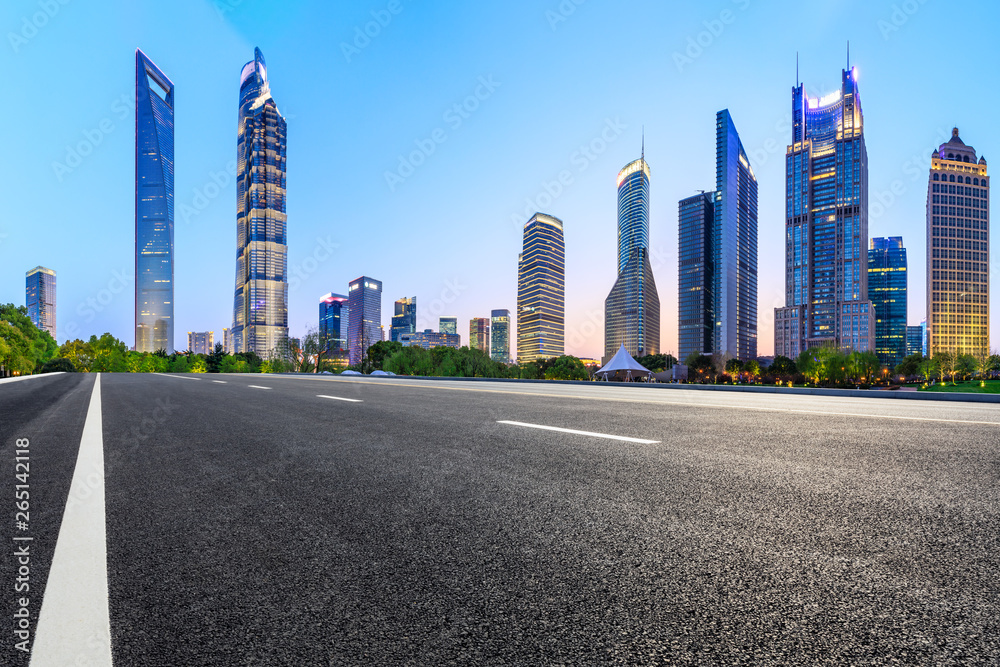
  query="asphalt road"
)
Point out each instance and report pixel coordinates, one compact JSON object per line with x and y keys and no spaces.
{"x":250,"y":521}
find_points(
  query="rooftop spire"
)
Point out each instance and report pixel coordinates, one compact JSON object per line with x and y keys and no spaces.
{"x":643,"y":155}
{"x":848,"y":55}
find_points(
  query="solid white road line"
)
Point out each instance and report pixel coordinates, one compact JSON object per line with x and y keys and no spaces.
{"x":27,"y":377}
{"x":74,"y":622}
{"x":591,"y":434}
{"x":257,"y":386}
{"x":338,"y":398}
{"x":179,"y":377}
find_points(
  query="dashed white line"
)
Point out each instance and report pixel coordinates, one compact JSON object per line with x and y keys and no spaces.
{"x":257,"y":386}
{"x":179,"y":377}
{"x":219,"y":381}
{"x":74,"y":621}
{"x":575,"y":432}
{"x":340,"y":398}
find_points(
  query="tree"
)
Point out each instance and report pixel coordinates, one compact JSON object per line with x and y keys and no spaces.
{"x":79,"y":353}
{"x":909,"y":366}
{"x":700,"y":367}
{"x":782,"y":366}
{"x":213,"y":361}
{"x":868,"y":366}
{"x":657,"y":362}
{"x":966,"y":365}
{"x":809,"y":364}
{"x":58,"y":365}
{"x":380,"y":351}
{"x":29,"y":350}
{"x":566,"y":367}
{"x":110,"y":354}
{"x":733,"y":368}
{"x":752,"y":370}
{"x":945,"y":362}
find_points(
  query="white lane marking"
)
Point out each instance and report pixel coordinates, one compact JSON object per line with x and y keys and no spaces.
{"x":219,"y":381}
{"x":27,"y":377}
{"x":257,"y":386}
{"x":179,"y":377}
{"x":590,"y":433}
{"x":338,"y":398}
{"x":74,"y":621}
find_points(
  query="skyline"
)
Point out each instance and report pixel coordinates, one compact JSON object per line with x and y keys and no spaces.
{"x":427,"y":248}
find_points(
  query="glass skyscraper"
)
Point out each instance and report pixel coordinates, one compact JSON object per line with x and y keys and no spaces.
{"x":826,"y":226}
{"x":154,"y":207}
{"x":260,"y":309}
{"x":541,"y":290}
{"x":632,"y":309}
{"x":958,"y":251}
{"x":334,"y":314}
{"x":500,"y":335}
{"x":914,"y":339}
{"x":364,"y":298}
{"x":479,"y":333}
{"x":404,"y":319}
{"x":448,"y":325}
{"x":40,"y":298}
{"x":717,"y":250}
{"x":887,"y":291}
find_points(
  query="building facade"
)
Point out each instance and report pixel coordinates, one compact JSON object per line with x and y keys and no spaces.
{"x":887,"y":292}
{"x":404,"y":319}
{"x":914,"y":340}
{"x":201,"y":342}
{"x":695,"y":275}
{"x":958,"y":247}
{"x":226,"y":341}
{"x":334,"y":315}
{"x":448,"y":325}
{"x":428,"y":339}
{"x":826,"y":226}
{"x":40,"y":298}
{"x":364,"y":328}
{"x":154,"y":207}
{"x":541,"y":290}
{"x":260,"y":308}
{"x":479,"y":334}
{"x":500,"y":335}
{"x":632,"y":309}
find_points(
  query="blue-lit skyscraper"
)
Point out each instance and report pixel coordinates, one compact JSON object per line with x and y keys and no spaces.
{"x":887,"y":291}
{"x":826,"y":226}
{"x":260,"y":309}
{"x":364,"y":296}
{"x":40,"y":298}
{"x":500,"y":335}
{"x":632,"y":309}
{"x":334,"y":314}
{"x":154,"y":207}
{"x":695,"y":275}
{"x":541,"y":290}
{"x":404,"y":318}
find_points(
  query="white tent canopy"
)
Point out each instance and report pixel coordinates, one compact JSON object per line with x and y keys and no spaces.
{"x":624,"y":363}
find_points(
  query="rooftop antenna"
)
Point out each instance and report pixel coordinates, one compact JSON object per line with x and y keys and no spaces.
{"x":643,"y":156}
{"x":796,"y":69}
{"x":848,"y":55}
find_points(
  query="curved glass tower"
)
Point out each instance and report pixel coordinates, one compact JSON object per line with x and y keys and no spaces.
{"x":260,"y":309}
{"x":541,"y":290}
{"x":632,"y":309}
{"x":154,"y":207}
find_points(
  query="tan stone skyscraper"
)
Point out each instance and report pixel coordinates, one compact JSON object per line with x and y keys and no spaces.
{"x":958,"y":260}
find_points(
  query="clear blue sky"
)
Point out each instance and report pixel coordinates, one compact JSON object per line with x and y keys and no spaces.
{"x":558,"y":80}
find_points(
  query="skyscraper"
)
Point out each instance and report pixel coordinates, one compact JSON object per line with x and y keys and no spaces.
{"x":334,"y":315}
{"x":364,"y":298}
{"x":914,"y":339}
{"x":887,"y":291}
{"x":260,"y":309}
{"x":958,"y":247}
{"x":541,"y":290}
{"x":201,"y":342}
{"x":826,"y":226}
{"x":632,"y":309}
{"x":404,"y":320}
{"x":40,"y":298}
{"x":154,"y":207}
{"x":500,"y":335}
{"x":227,"y":342}
{"x":695,"y":275}
{"x":717,"y":284}
{"x":448,"y":325}
{"x":479,"y":333}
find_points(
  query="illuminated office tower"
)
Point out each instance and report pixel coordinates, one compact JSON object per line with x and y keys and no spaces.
{"x":500,"y":335}
{"x":695,"y":275}
{"x":201,"y":342}
{"x":914,"y":339}
{"x":364,"y":328}
{"x":334,"y":314}
{"x":541,"y":290}
{"x":887,"y":292}
{"x":958,"y":247}
{"x":260,"y":305}
{"x":632,"y":309}
{"x":826,"y":226}
{"x":448,"y":325}
{"x":479,"y":334}
{"x":40,"y":298}
{"x":404,"y":319}
{"x":226,"y":341}
{"x":154,"y":207}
